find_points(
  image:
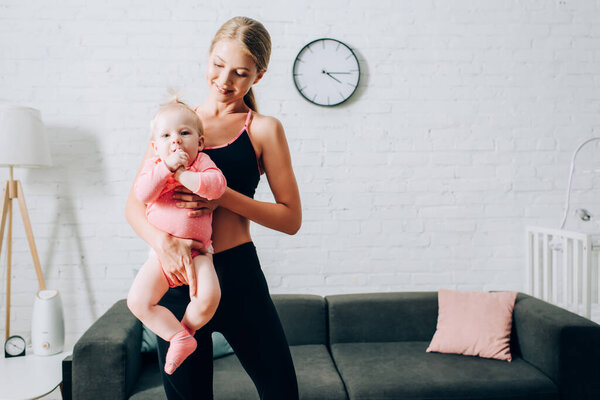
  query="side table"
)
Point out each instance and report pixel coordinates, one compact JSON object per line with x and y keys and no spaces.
{"x":30,"y":376}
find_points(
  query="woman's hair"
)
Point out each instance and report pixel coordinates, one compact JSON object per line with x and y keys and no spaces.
{"x":255,"y":39}
{"x":174,"y":102}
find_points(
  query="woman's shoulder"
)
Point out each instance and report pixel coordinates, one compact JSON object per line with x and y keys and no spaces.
{"x":265,"y":127}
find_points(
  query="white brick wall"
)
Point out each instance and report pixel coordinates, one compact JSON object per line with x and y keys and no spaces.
{"x":459,"y":136}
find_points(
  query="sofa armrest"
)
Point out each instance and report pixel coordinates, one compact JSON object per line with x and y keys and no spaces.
{"x":107,"y":359}
{"x":563,"y":345}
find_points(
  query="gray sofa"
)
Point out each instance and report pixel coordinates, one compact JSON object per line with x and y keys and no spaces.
{"x":363,"y":346}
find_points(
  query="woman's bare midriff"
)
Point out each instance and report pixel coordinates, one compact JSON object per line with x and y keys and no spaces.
{"x":229,"y":230}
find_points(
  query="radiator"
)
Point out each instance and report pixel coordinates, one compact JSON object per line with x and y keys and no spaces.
{"x":562,"y":268}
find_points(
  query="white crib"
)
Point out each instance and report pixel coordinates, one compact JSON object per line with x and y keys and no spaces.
{"x":562,"y":268}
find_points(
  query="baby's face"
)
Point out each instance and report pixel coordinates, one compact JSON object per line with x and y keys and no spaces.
{"x":175,"y":128}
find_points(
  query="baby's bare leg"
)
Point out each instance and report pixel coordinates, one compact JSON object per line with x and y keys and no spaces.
{"x":147,"y":289}
{"x":203,"y":305}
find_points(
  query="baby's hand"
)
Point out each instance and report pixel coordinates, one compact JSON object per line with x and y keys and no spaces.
{"x":178,"y":158}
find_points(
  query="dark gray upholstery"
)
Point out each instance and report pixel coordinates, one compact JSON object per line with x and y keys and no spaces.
{"x":403,"y":370}
{"x":317,"y":376}
{"x":558,"y":344}
{"x":382,"y":317}
{"x":230,"y":381}
{"x":149,"y":385}
{"x":363,"y":346}
{"x":302,"y":317}
{"x":563,"y":345}
{"x":107,"y":358}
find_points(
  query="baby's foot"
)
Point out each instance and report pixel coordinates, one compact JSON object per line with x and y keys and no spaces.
{"x":181,"y":346}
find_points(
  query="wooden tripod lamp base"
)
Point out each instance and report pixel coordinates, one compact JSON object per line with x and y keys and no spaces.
{"x":14,"y":190}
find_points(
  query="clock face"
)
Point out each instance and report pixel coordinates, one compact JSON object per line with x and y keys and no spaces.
{"x":326,"y":72}
{"x":14,"y":346}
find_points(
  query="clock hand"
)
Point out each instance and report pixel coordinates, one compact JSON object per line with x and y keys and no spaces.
{"x":346,"y":73}
{"x":331,"y":76}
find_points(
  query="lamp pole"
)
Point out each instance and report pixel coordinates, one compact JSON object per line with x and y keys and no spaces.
{"x":9,"y":196}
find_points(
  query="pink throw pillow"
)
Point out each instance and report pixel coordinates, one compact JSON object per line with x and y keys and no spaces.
{"x":474,"y":324}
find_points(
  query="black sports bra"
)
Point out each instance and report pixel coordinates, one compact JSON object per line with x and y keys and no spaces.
{"x":238,"y":162}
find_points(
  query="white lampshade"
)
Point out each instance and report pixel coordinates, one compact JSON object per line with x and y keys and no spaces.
{"x":23,"y":141}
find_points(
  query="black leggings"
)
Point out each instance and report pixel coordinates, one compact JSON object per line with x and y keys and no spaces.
{"x":247,"y":318}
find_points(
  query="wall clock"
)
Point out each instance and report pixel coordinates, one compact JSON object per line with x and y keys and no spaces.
{"x":326,"y":72}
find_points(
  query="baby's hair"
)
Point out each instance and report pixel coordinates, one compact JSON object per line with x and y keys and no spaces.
{"x":174,"y":101}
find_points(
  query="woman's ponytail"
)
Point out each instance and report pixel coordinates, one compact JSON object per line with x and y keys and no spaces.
{"x":250,"y":100}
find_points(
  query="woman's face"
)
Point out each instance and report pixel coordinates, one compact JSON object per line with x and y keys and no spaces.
{"x":231,"y":71}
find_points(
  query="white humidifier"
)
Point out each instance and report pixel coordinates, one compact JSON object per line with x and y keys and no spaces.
{"x":47,"y":324}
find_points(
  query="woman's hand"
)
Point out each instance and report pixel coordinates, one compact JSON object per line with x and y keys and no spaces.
{"x":198,"y":206}
{"x":175,"y":255}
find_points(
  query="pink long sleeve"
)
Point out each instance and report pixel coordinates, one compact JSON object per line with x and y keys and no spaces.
{"x":155,"y":186}
{"x":151,"y":180}
{"x":212,"y":183}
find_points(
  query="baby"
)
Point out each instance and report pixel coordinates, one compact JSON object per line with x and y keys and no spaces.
{"x":177,"y":140}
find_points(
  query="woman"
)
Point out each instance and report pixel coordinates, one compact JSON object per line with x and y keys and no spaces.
{"x":243,"y":144}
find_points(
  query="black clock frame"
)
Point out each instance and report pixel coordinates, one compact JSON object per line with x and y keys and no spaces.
{"x":296,"y":83}
{"x":7,"y":355}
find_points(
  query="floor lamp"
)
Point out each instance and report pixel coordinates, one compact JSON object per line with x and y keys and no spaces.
{"x":22,"y":144}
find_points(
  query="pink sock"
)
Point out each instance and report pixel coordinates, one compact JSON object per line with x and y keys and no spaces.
{"x":181,"y":346}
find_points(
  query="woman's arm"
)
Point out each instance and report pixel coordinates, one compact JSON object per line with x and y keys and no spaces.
{"x":285,"y":214}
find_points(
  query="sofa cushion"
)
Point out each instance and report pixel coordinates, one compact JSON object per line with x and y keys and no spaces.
{"x":316,"y":373}
{"x":230,"y":380}
{"x":303,"y":317}
{"x":403,"y":370}
{"x":221,"y":346}
{"x":317,"y":376}
{"x":149,"y":385}
{"x":382,"y":317}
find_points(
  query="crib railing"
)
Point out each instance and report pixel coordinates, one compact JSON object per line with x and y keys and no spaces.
{"x":562,"y":268}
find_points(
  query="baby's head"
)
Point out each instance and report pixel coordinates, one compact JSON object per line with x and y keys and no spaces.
{"x":176,"y":126}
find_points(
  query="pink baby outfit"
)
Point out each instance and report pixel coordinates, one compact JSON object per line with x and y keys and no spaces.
{"x":155,"y":187}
